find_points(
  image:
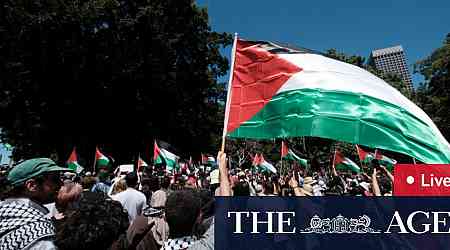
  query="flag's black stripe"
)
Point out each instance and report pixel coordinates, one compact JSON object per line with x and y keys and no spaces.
{"x":282,"y":48}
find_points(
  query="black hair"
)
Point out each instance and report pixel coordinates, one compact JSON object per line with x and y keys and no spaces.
{"x":268,"y":187}
{"x":131,"y":179}
{"x":182,"y":211}
{"x":165,"y":182}
{"x":153,"y":183}
{"x":96,"y":224}
{"x":241,"y":189}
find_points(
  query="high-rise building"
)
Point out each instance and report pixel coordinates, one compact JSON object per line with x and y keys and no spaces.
{"x":392,"y":60}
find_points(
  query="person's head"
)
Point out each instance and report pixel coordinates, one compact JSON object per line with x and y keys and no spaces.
{"x":88,"y":182}
{"x":120,"y":186}
{"x":267,"y":187}
{"x":153,"y":183}
{"x":38,"y":179}
{"x":103,"y":175}
{"x":182,"y":212}
{"x":69,"y":193}
{"x":165,"y":182}
{"x":131,"y":179}
{"x":96,"y":224}
{"x":241,"y":189}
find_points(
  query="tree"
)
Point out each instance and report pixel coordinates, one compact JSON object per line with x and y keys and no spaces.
{"x":435,"y":91}
{"x":117,"y":74}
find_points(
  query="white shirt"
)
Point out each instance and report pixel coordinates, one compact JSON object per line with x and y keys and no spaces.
{"x":132,"y":200}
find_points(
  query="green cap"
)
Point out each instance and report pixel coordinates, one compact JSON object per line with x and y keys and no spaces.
{"x":32,"y":168}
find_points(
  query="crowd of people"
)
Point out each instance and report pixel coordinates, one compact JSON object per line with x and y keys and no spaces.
{"x":44,"y":206}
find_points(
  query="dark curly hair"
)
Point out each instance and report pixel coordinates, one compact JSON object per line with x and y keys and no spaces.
{"x":182,"y":210}
{"x":96,"y":224}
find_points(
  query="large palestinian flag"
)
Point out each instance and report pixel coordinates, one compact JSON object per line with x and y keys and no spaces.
{"x":281,"y":92}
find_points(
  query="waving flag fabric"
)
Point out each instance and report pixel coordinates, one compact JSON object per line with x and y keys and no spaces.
{"x":281,"y":92}
{"x":343,"y":163}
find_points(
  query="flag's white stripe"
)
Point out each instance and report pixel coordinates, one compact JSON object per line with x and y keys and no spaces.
{"x":350,"y":162}
{"x":269,"y":167}
{"x":320,"y":72}
{"x":169,"y":155}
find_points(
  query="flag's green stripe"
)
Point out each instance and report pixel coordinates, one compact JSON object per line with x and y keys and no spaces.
{"x":345,"y":116}
{"x":344,"y":166}
{"x":72,"y":165}
{"x":102,"y":162}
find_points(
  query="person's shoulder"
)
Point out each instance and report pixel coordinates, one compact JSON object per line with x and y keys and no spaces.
{"x":42,"y":245}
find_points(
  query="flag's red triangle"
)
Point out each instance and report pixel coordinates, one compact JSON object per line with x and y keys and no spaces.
{"x":156,"y":151}
{"x":284,"y":149}
{"x":257,"y":76}
{"x":361,"y":153}
{"x":73,"y":156}
{"x":338,"y":157}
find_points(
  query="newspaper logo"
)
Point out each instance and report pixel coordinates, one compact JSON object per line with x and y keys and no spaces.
{"x":340,"y":224}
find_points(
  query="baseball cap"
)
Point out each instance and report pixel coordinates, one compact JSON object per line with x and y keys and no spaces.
{"x":32,"y":168}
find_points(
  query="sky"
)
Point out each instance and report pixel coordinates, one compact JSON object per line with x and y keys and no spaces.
{"x":350,"y":26}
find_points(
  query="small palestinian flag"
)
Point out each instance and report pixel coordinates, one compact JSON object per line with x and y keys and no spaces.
{"x":343,"y":163}
{"x":288,"y":154}
{"x":260,"y":162}
{"x":141,"y":164}
{"x":161,"y":155}
{"x":72,"y":162}
{"x":385,"y":161}
{"x":266,"y":165}
{"x":208,"y":160}
{"x":365,"y":157}
{"x":100,"y":159}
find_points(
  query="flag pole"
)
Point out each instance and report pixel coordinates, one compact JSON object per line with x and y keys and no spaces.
{"x":230,"y":80}
{"x":95,"y":159}
{"x":282,"y":169}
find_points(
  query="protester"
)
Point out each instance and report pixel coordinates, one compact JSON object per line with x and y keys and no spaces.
{"x":131,"y":199}
{"x":68,"y":197}
{"x":150,"y":230}
{"x":182,"y":214}
{"x":102,"y":184}
{"x":118,"y":187}
{"x":98,"y":223}
{"x":33,"y":183}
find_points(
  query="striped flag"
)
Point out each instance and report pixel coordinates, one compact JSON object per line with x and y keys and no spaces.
{"x":288,"y":154}
{"x":100,"y":159}
{"x":385,"y":161}
{"x":72,"y":162}
{"x":161,"y":155}
{"x":276,"y":91}
{"x":343,"y":163}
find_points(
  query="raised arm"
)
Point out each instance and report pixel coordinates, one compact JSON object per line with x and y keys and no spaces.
{"x":225,"y":189}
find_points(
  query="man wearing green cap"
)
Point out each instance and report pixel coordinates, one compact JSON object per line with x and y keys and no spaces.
{"x":23,"y":221}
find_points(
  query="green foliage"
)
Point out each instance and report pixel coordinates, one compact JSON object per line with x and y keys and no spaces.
{"x":433,"y":95}
{"x":117,"y":74}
